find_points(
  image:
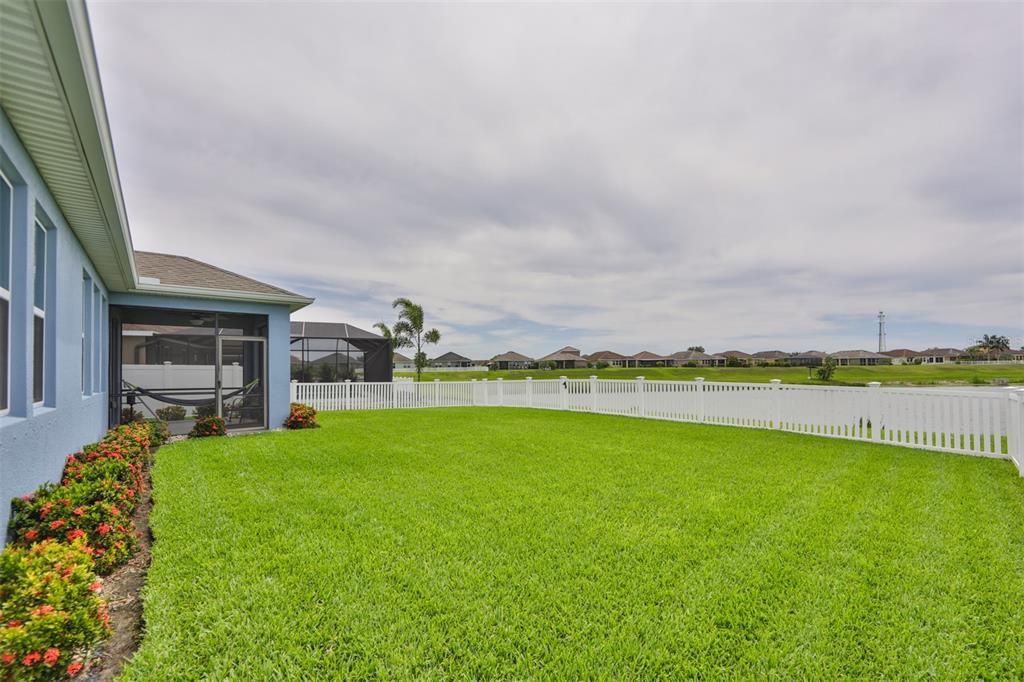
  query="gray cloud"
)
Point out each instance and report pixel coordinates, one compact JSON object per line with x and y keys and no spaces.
{"x":605,"y":175}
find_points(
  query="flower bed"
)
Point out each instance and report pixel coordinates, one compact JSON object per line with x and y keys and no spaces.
{"x":301,"y":417}
{"x":63,"y":535}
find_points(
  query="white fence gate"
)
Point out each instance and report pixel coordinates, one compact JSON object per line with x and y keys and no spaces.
{"x":986,"y":423}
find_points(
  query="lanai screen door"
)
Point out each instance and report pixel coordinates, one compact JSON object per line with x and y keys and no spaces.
{"x":241,"y":381}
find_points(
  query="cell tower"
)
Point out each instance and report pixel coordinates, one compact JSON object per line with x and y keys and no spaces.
{"x":881,"y":332}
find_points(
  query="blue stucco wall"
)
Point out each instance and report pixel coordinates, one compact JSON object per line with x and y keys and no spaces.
{"x":35,"y":440}
{"x":278,"y":339}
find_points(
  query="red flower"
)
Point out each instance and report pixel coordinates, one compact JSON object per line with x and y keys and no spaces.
{"x":31,"y":658}
{"x":27,"y":498}
{"x":103,"y":528}
{"x":7,"y":658}
{"x":32,"y":534}
{"x":43,"y":610}
{"x":14,"y":624}
{"x":45,"y":509}
{"x":114,"y":510}
{"x":79,"y":511}
{"x":73,"y":535}
{"x":57,"y":524}
{"x":51,"y":656}
{"x":95,"y":586}
{"x":74,"y":669}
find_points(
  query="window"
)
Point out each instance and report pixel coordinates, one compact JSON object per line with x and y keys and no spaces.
{"x":39,"y":316}
{"x":97,"y":335}
{"x":86,"y":334}
{"x":104,"y":344}
{"x":6,"y":220}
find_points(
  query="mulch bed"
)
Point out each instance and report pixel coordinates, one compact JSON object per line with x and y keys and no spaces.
{"x":122,"y":589}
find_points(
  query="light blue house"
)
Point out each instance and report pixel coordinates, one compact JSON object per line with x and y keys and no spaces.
{"x":92,"y":331}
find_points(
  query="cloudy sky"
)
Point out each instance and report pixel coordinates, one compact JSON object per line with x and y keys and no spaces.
{"x":607,"y":176}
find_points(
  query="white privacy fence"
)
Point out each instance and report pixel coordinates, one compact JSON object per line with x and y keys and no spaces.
{"x":988,"y":423}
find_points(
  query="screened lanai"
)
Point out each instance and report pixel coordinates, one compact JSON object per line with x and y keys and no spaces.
{"x":336,"y":351}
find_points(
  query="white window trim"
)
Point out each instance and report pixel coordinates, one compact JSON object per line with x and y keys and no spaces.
{"x":40,"y":312}
{"x":5,"y":294}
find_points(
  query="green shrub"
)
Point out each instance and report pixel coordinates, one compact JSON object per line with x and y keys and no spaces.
{"x":301,"y":417}
{"x":78,"y":511}
{"x":205,"y":411}
{"x":49,"y":609}
{"x":159,"y":433}
{"x":171,"y":413}
{"x":208,"y":426}
{"x":128,"y":414}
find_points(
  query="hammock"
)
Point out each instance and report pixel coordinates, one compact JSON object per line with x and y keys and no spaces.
{"x":187,"y":402}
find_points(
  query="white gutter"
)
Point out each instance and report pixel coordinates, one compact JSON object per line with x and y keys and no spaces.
{"x":294,"y":301}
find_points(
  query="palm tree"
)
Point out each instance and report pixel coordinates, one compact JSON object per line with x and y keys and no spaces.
{"x":993,"y":343}
{"x":408,"y":332}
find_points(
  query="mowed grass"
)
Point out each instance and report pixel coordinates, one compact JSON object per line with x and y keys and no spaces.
{"x":521,"y":544}
{"x":916,"y":375}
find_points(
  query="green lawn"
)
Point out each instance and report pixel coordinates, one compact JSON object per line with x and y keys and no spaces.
{"x":890,"y":374}
{"x":513,"y":544}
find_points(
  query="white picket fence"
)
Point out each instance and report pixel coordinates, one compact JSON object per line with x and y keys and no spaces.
{"x":986,"y":423}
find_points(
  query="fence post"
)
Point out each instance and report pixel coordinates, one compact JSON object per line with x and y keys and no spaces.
{"x":641,"y":402}
{"x":348,"y":394}
{"x":1015,"y":430}
{"x":593,"y":393}
{"x":437,"y":393}
{"x":529,"y":391}
{"x":293,"y":391}
{"x":472,"y":393}
{"x":501,"y":392}
{"x":700,"y":399}
{"x":776,"y":404}
{"x":875,"y":409}
{"x":487,"y":394}
{"x":563,"y":393}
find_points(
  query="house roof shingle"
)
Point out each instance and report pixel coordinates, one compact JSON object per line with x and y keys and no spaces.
{"x":946,"y":352}
{"x":562,"y":356}
{"x":398,"y":357}
{"x":606,"y":355}
{"x":810,"y":355}
{"x":451,"y":357}
{"x":692,"y":356}
{"x":857,"y":355}
{"x":770,"y":355}
{"x":648,"y":355}
{"x":901,"y":353}
{"x":189,"y":272}
{"x":511,"y":356}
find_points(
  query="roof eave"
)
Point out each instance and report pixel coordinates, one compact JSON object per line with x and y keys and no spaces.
{"x":65,"y":28}
{"x":293,"y":301}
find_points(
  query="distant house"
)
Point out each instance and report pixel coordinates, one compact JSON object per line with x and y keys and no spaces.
{"x":809,"y":358}
{"x":698,"y":359}
{"x":450,"y":359}
{"x":402,"y":363}
{"x":860,"y":358}
{"x":511,"y":360}
{"x":939,"y":356}
{"x":737,"y":356}
{"x":646,"y":358}
{"x":612,"y":358}
{"x":902,"y":356}
{"x":565,"y":358}
{"x":769,"y":357}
